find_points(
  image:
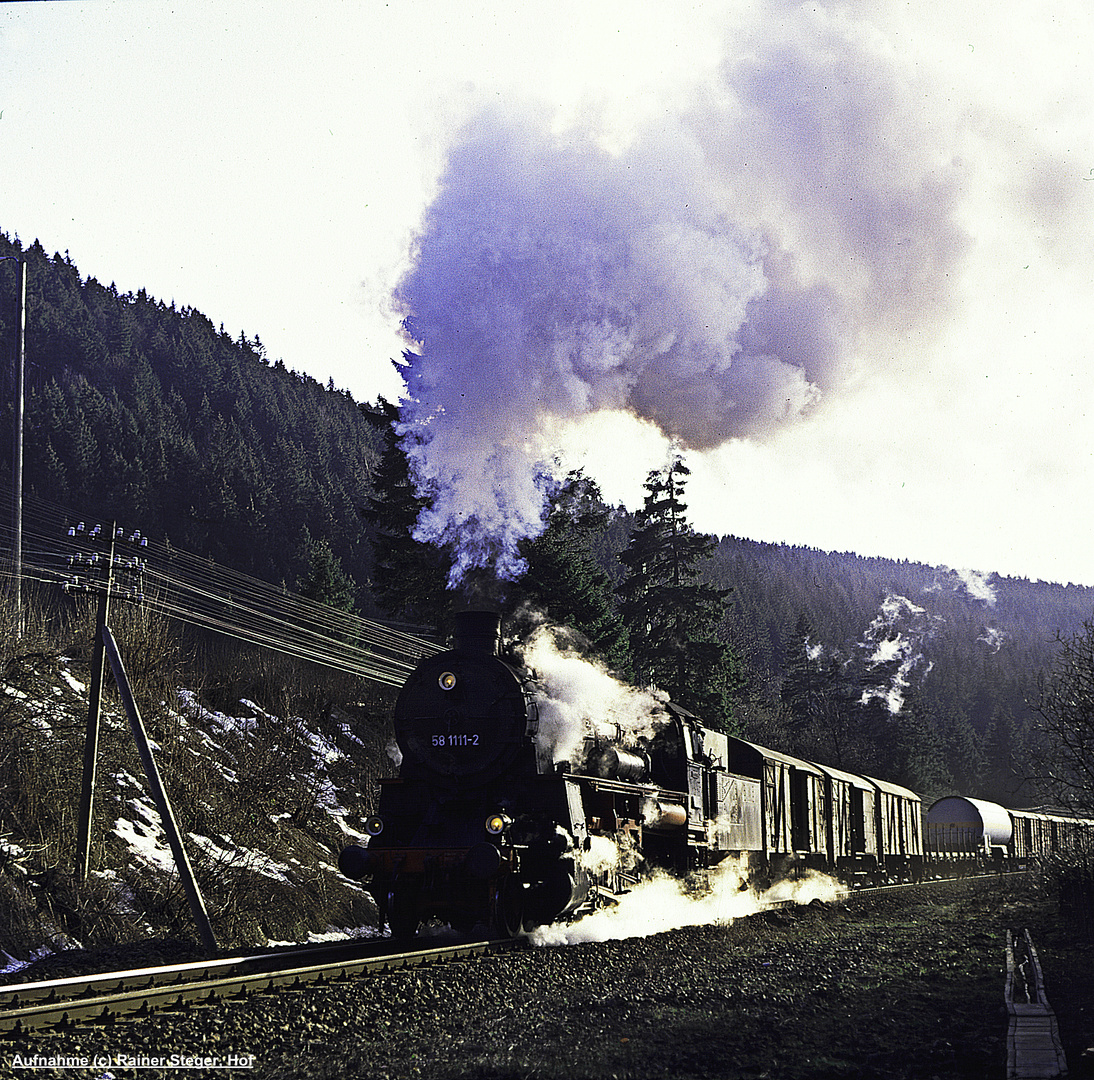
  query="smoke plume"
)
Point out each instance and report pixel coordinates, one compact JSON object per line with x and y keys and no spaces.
{"x":580,"y":700}
{"x":894,"y":647}
{"x":707,"y":273}
{"x":978,"y":586}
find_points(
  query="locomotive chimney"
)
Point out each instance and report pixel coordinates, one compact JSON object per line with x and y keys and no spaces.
{"x":478,"y":631}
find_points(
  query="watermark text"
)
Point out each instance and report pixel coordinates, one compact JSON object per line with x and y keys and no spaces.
{"x":132,"y":1061}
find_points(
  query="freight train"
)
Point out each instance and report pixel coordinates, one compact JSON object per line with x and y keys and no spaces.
{"x":479,"y":829}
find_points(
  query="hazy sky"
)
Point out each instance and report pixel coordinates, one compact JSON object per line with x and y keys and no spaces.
{"x":866,"y":228}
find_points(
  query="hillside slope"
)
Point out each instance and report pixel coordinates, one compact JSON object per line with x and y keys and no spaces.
{"x":951,"y":657}
{"x":145,"y":413}
{"x":265,"y":796}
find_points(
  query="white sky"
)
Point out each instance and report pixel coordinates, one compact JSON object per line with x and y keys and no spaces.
{"x":268,"y":162}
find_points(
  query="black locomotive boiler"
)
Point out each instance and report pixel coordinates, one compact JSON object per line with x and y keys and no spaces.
{"x":469,"y":831}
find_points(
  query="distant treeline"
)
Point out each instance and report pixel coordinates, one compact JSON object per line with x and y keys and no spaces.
{"x":825,"y":634}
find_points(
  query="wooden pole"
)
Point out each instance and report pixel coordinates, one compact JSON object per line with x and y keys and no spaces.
{"x":159,"y":793}
{"x":94,"y":711}
{"x":17,"y":450}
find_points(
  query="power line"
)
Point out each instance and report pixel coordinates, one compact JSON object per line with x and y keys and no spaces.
{"x":199,"y":592}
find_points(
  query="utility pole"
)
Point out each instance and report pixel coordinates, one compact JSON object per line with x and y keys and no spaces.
{"x":94,"y":710}
{"x":159,"y":794}
{"x":106,"y":588}
{"x":17,"y":451}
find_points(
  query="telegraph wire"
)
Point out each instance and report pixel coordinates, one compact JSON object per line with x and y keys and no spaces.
{"x":197,"y":591}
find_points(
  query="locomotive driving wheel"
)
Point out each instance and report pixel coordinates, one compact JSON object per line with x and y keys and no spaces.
{"x":507,"y":908}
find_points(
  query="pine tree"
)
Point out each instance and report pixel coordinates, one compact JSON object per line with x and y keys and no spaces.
{"x":325,"y":581}
{"x":409,"y":577}
{"x":671,"y":613}
{"x":820,"y":706}
{"x":564,"y":580}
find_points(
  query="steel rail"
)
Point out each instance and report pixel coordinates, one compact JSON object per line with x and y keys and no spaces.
{"x":13,"y":994}
{"x":31,"y":1006}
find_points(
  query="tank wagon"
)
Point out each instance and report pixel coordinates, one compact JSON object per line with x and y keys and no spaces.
{"x":964,"y":833}
{"x":477,"y":829}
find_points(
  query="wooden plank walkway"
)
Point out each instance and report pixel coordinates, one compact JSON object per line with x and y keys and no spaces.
{"x":1034,"y":1051}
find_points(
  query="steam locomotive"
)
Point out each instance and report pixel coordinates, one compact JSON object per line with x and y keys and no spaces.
{"x":477,"y":829}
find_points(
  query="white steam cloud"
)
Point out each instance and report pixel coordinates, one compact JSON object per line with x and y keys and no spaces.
{"x":707,"y":274}
{"x":994,"y":638}
{"x":895,"y":643}
{"x":555,"y":279}
{"x":580,"y":699}
{"x":978,"y":585}
{"x":660,"y":903}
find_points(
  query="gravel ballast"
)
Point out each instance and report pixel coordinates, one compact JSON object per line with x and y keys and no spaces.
{"x":901,"y":985}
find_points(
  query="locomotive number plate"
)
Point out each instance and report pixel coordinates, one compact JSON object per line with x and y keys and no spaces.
{"x":455,"y":740}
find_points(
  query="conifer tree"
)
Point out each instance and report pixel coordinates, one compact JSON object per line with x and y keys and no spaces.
{"x":409,"y":577}
{"x":671,"y":613}
{"x":325,"y":581}
{"x":820,"y":706}
{"x":564,"y":580}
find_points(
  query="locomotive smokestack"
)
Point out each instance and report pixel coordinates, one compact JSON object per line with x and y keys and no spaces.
{"x":478,"y":631}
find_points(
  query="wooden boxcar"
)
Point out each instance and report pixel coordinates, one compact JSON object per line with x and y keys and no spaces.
{"x":851,"y":831}
{"x":899,"y":820}
{"x":793,"y":804}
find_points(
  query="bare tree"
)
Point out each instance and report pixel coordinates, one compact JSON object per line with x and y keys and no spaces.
{"x":1066,"y":710}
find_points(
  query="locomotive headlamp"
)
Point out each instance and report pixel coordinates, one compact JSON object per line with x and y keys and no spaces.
{"x":374,"y":825}
{"x":447,"y":681}
{"x":496,"y":824}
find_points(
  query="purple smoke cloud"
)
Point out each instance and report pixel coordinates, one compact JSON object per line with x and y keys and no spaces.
{"x":706,"y":278}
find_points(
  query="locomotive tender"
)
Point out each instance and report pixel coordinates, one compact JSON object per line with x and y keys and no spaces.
{"x":478,"y":828}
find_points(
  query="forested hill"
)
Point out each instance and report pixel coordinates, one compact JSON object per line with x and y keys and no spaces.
{"x":843,"y":593}
{"x":950,"y":659}
{"x":145,"y":413}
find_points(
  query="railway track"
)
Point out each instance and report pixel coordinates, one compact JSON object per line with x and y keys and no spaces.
{"x":33,"y":1006}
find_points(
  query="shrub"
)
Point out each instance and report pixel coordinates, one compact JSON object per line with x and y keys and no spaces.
{"x":1070,"y":880}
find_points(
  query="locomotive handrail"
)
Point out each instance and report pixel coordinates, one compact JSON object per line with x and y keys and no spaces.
{"x":630,"y":787}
